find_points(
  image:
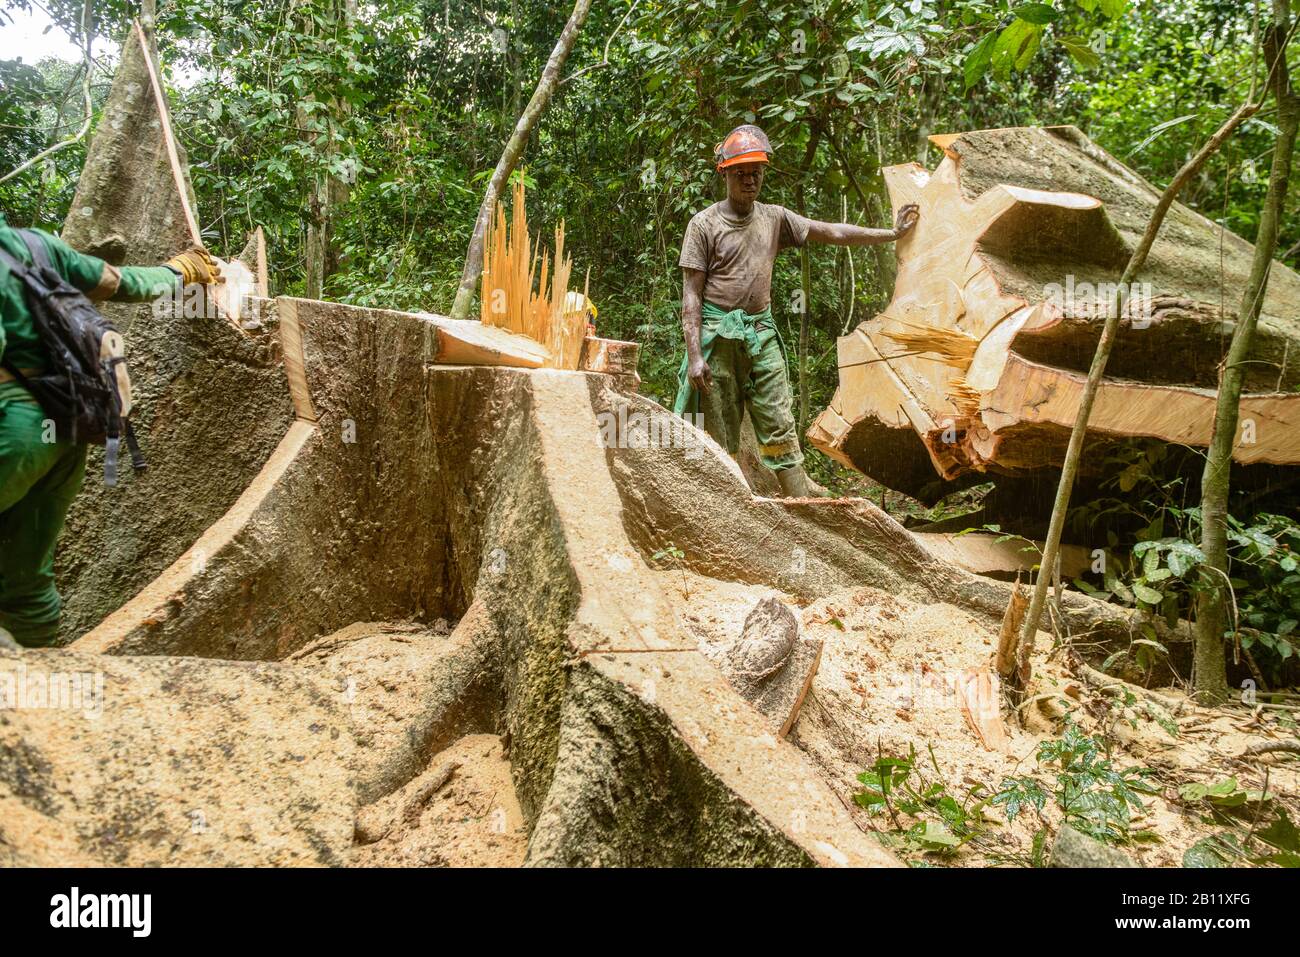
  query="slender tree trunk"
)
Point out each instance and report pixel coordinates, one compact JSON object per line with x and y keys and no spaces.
{"x":546,"y":85}
{"x":328,"y":192}
{"x":1210,"y":674}
{"x":806,"y":273}
{"x":805,"y":269}
{"x":1070,"y":465}
{"x":925,"y":120}
{"x":871,"y":205}
{"x":319,"y":236}
{"x":515,"y":47}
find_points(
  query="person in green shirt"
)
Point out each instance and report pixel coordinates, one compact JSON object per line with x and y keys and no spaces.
{"x":40,"y":477}
{"x":734,"y":355}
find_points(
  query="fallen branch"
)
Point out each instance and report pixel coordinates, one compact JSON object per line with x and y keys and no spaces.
{"x":1269,"y":747}
{"x":415,"y":805}
{"x":1108,"y":684}
{"x":373,"y":824}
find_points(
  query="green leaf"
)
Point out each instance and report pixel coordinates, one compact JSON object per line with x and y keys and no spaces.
{"x":1147,"y":594}
{"x":934,"y":835}
{"x":1225,"y":793}
{"x":1037,"y":13}
{"x":1282,"y":834}
{"x":1212,"y":851}
{"x":1160,"y":128}
{"x":1151,"y":643}
{"x":1182,"y":556}
{"x":977,"y":61}
{"x":1081,"y":53}
{"x":1088,"y":589}
{"x":1028,"y":49}
{"x":1118,"y":587}
{"x":1036,"y":856}
{"x":1113,"y":8}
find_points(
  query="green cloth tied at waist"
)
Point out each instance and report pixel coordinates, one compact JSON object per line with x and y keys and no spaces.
{"x":716,"y":322}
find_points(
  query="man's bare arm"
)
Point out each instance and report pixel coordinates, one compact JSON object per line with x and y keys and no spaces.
{"x":697,"y":370}
{"x":846,"y":234}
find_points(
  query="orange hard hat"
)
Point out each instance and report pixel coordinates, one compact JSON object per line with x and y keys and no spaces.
{"x":744,"y":144}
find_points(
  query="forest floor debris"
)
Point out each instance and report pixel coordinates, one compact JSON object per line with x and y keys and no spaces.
{"x":888,"y":683}
{"x":462,"y":812}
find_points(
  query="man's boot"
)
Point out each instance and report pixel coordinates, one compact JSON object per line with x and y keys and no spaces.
{"x":794,"y":482}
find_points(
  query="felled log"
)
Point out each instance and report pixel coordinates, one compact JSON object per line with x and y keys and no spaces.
{"x":1002,"y":290}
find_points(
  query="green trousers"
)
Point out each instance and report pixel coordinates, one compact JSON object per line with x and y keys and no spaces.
{"x":38,"y":481}
{"x":747,"y":359}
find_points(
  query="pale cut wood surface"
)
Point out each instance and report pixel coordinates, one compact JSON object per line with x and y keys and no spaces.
{"x":1009,"y":221}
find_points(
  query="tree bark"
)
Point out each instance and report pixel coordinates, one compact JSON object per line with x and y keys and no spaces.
{"x":1210,"y":681}
{"x":546,"y":86}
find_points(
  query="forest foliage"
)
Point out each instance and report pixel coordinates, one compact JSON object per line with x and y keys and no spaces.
{"x":409,"y":103}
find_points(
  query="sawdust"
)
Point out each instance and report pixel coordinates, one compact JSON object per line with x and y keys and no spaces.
{"x":472,"y":820}
{"x":887,"y":682}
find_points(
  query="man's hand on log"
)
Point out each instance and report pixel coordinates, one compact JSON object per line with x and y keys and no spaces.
{"x":196,"y":265}
{"x":700,"y":375}
{"x":907,"y":217}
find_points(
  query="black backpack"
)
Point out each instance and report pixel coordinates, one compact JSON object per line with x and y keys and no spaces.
{"x":78,"y":390}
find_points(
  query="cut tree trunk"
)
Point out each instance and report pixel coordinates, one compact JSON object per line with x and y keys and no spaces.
{"x":1002,"y":291}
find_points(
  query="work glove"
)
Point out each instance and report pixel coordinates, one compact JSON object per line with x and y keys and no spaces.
{"x":196,"y":265}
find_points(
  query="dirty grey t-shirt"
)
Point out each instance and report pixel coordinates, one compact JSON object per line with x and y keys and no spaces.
{"x":736,"y":255}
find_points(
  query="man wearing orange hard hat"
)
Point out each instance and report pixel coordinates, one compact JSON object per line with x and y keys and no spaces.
{"x":735,"y":359}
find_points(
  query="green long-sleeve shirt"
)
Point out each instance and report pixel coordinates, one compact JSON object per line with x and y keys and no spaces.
{"x":19,"y":343}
